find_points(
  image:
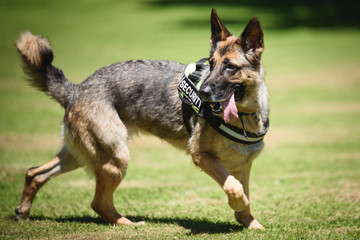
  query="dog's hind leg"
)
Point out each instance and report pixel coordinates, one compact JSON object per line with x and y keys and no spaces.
{"x":111,"y":160}
{"x":109,"y":174}
{"x":96,"y":133}
{"x":106,"y":183}
{"x":36,"y":177}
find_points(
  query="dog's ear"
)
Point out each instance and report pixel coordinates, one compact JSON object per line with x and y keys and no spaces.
{"x":218,"y":29}
{"x":252,"y":39}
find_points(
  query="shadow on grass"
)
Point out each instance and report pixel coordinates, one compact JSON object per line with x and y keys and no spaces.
{"x":196,"y":226}
{"x":74,"y":219}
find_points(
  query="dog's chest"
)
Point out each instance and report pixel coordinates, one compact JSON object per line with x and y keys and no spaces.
{"x":234,"y":156}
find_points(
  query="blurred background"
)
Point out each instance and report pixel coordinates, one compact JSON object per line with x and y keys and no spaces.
{"x":312,"y":63}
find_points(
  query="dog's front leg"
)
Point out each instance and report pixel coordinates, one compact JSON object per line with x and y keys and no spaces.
{"x":210,"y":164}
{"x":244,"y":217}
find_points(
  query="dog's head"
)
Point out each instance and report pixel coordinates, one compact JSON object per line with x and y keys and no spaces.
{"x":235,"y":67}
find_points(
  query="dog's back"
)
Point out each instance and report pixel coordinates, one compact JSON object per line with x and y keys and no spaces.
{"x":144,"y":93}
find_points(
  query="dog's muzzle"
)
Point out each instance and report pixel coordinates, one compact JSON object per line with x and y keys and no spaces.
{"x":205,"y":93}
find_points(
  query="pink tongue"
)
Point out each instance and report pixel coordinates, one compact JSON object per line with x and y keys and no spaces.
{"x":230,"y":110}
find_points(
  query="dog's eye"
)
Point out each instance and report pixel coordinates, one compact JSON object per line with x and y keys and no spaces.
{"x":231,"y":67}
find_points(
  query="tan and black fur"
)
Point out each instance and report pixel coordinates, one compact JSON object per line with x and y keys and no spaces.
{"x":119,"y":100}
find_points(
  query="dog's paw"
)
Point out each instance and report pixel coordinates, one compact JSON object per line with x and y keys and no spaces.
{"x":140,"y":223}
{"x":248,"y":221}
{"x":20,"y":215}
{"x":125,"y":221}
{"x":255,"y":225}
{"x":235,"y":192}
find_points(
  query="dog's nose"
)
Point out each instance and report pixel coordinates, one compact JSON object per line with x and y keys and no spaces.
{"x":205,"y":92}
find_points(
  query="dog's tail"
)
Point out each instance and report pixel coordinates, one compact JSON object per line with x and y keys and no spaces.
{"x":36,"y":55}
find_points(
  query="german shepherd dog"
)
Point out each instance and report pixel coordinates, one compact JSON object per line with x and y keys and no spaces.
{"x":121,"y":99}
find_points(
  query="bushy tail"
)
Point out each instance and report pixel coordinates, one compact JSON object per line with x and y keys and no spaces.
{"x":36,"y":55}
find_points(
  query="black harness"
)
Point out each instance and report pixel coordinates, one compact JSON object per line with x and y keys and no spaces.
{"x":188,"y":88}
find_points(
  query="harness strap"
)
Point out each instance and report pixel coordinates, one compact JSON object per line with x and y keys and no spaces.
{"x":187,"y":113}
{"x":234,"y":133}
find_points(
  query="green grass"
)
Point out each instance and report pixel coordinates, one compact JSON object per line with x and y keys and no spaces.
{"x":304,"y":185}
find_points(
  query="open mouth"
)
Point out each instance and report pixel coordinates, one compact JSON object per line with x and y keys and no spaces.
{"x":240,"y":92}
{"x":228,"y":107}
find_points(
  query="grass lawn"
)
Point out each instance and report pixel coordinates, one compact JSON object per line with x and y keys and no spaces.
{"x":305,"y":184}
